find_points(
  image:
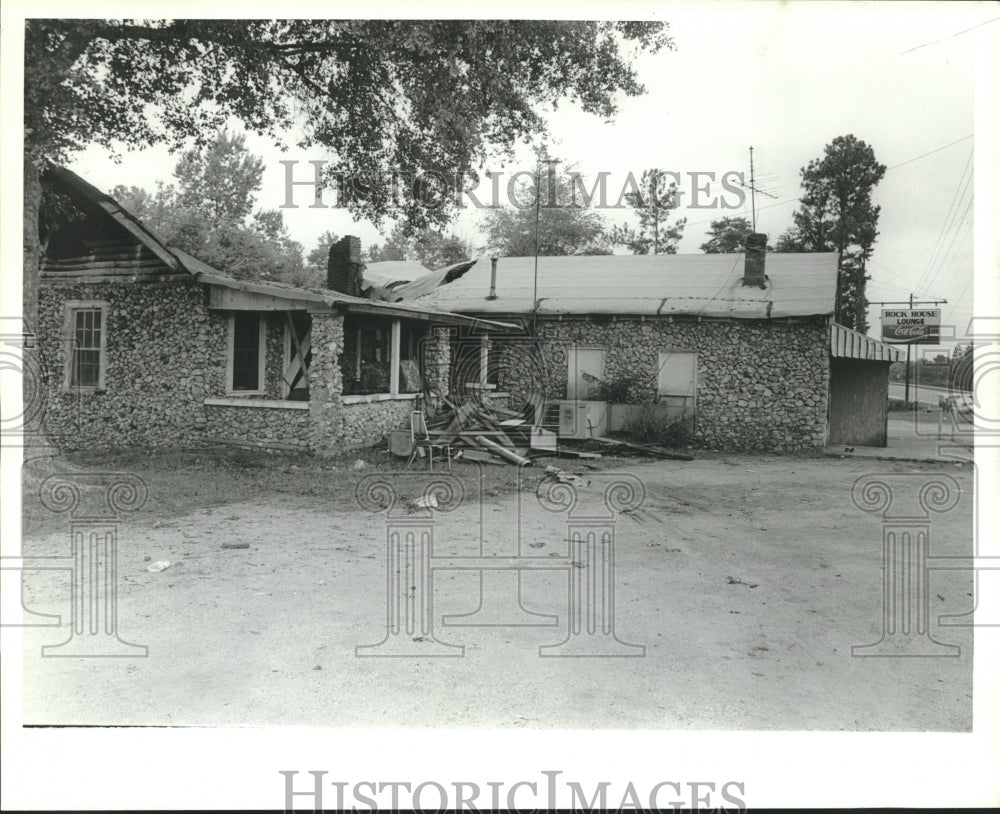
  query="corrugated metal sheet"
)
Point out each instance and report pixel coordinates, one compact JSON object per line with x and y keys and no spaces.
{"x":387,"y":272}
{"x":403,"y":280}
{"x":704,"y":284}
{"x":846,"y":343}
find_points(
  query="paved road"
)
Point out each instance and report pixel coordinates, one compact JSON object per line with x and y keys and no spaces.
{"x":924,"y":393}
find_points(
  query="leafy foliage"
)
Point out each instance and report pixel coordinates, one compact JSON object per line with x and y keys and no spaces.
{"x":654,"y":199}
{"x":210,"y":214}
{"x":728,"y":235}
{"x":316,"y":259}
{"x":649,"y":425}
{"x":432,"y":249}
{"x":837,"y":214}
{"x":544,"y":204}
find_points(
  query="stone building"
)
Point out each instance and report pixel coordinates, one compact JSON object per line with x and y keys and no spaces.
{"x":143,"y":345}
{"x":741,"y":347}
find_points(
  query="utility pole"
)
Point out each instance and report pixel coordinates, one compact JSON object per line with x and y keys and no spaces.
{"x":534,"y":295}
{"x":909,"y":345}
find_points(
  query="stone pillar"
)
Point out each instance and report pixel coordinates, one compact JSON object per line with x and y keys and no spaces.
{"x":437,"y":365}
{"x":326,"y":383}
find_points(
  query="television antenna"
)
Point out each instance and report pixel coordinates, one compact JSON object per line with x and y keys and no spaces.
{"x":753,"y":192}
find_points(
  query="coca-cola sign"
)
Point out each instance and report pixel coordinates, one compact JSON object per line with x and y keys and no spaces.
{"x":911,"y":326}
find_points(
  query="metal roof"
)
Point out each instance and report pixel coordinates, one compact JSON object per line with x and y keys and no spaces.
{"x":692,"y":284}
{"x":385,"y":273}
{"x":850,"y":344}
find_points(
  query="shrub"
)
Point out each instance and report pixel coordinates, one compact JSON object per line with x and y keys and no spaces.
{"x":649,"y":425}
{"x":900,"y":406}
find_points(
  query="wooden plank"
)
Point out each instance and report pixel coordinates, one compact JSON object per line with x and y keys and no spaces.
{"x":231,"y":299}
{"x":574,"y":453}
{"x":480,"y":457}
{"x":506,"y":454}
{"x":59,"y":279}
{"x":138,"y":254}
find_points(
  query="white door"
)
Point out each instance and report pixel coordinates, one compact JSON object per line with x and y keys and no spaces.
{"x":676,"y":381}
{"x":586,"y":371}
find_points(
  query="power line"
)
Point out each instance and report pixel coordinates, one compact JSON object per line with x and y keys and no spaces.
{"x":949,"y":221}
{"x":945,"y":256}
{"x":938,"y":150}
{"x":950,"y":36}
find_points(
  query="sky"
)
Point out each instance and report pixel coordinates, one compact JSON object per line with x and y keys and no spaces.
{"x":783,"y":78}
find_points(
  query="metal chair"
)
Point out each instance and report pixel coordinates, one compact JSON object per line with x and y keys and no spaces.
{"x":421,"y":439}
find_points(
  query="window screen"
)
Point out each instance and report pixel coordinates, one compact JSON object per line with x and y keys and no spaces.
{"x":88,"y":325}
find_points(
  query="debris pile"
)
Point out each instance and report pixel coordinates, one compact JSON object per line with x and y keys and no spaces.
{"x":489,"y":434}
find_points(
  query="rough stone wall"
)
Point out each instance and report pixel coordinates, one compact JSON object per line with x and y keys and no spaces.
{"x":367,"y":424}
{"x":258,"y":424}
{"x":762,"y":386}
{"x":162,"y":359}
{"x":165,"y":354}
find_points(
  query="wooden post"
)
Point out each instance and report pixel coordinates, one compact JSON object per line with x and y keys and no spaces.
{"x":394,"y":359}
{"x":484,"y":360}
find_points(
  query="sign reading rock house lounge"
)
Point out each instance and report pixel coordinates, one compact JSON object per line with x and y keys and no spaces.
{"x":911,"y":326}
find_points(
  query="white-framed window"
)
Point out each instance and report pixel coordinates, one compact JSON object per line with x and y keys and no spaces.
{"x":246,"y":353}
{"x":86,"y":332}
{"x":677,"y":379}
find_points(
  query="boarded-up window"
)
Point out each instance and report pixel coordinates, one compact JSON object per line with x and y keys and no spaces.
{"x":676,"y":380}
{"x":411,"y":341}
{"x":87,"y":364}
{"x":247,"y":333}
{"x":299,"y":355}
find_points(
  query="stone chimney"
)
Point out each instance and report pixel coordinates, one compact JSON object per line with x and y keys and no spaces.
{"x":344,"y":266}
{"x":753,"y":261}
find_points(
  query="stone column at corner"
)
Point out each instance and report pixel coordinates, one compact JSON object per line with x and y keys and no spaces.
{"x":326,"y":383}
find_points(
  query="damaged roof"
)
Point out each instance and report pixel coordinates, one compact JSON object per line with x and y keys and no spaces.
{"x":399,"y":280}
{"x":667,"y":284}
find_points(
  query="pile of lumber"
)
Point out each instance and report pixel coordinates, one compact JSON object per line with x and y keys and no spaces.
{"x":490,"y":434}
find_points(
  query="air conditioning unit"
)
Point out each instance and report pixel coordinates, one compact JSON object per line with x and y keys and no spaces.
{"x":583,"y":419}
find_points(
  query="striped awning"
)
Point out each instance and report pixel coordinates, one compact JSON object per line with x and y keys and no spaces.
{"x":846,"y":343}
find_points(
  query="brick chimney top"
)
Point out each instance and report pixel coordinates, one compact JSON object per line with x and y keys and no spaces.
{"x":753,"y":261}
{"x":344,"y":266}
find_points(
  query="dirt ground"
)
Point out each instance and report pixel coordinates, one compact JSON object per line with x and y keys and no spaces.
{"x":747,"y":579}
